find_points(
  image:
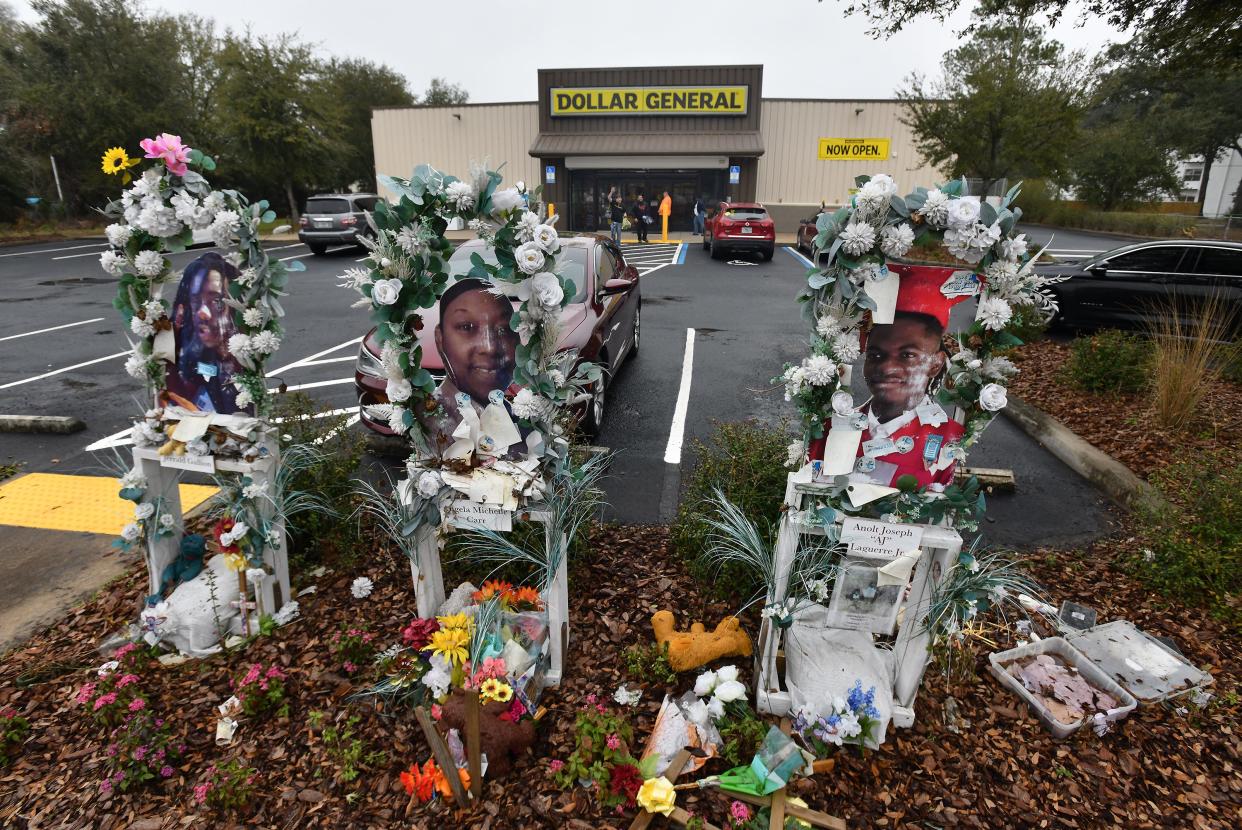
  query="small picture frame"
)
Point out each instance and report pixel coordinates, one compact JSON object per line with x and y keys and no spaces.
{"x":860,"y":603}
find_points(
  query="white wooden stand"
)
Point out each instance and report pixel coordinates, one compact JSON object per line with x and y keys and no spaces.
{"x":429,"y":588}
{"x":162,"y":483}
{"x":911,"y":651}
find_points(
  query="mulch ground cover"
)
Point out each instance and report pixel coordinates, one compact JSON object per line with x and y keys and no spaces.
{"x":1162,"y":767}
{"x":1122,"y":424}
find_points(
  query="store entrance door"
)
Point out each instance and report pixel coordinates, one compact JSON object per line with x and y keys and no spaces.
{"x":589,"y":194}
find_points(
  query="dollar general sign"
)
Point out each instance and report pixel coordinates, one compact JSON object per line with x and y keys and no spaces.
{"x":853,"y":149}
{"x":649,"y":100}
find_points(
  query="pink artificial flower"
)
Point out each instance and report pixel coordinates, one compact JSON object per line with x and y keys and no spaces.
{"x":105,"y":786}
{"x":739,"y":811}
{"x":436,"y":711}
{"x":274,"y":672}
{"x":251,"y":676}
{"x":614,"y":742}
{"x":599,"y":707}
{"x":556,"y":765}
{"x":169,"y":148}
{"x":125,"y":649}
{"x":166,"y":771}
{"x":105,"y":700}
{"x":591,"y":698}
{"x":136,"y":704}
{"x":126,"y":680}
{"x":349,"y":667}
{"x":200,"y":793}
{"x":140,"y":753}
{"x":85,"y":693}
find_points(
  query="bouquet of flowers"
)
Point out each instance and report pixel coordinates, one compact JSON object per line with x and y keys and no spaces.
{"x":851,"y":720}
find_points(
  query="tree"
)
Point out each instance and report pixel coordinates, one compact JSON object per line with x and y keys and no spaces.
{"x":353,"y":88}
{"x":440,"y":93}
{"x":1007,"y":106}
{"x":1116,"y":165}
{"x":1191,"y":33}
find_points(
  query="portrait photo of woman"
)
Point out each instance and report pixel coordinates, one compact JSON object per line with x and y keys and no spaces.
{"x":201,"y":376}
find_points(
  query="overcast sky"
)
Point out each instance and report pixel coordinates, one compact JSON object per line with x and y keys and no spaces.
{"x":808,"y":49}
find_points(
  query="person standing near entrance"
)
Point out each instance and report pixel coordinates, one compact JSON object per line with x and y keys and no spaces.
{"x":616,"y":216}
{"x":699,"y":218}
{"x":666,"y":210}
{"x":642,"y":216}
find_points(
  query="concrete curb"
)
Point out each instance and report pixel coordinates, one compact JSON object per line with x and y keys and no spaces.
{"x":40,"y":423}
{"x":1115,"y":479}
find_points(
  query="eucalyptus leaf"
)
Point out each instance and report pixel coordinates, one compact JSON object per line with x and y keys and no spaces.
{"x":295,"y":265}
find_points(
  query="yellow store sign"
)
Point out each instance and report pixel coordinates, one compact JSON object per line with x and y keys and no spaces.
{"x":649,"y":100}
{"x":853,"y":149}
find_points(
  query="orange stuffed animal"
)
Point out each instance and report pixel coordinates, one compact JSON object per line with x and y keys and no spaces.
{"x":698,"y":647}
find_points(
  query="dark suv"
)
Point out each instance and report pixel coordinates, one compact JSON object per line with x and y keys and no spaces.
{"x":335,"y":219}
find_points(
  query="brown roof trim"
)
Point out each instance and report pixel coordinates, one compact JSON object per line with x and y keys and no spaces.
{"x":457,"y":106}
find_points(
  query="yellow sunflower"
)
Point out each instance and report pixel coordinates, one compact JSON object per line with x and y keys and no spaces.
{"x":498,"y":690}
{"x":461,"y":622}
{"x":451,"y":644}
{"x":115,"y":160}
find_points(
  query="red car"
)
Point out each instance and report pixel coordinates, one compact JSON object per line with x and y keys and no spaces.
{"x":601,"y":322}
{"x":740,"y":226}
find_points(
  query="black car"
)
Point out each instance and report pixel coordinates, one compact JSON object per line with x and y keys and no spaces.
{"x":1122,"y":288}
{"x":335,"y":219}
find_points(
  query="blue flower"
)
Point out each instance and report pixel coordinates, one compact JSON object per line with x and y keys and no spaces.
{"x":871,"y":711}
{"x":855,"y":699}
{"x":832,"y":720}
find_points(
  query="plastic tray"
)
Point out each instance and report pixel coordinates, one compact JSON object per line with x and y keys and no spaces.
{"x":1057,"y":646}
{"x":1146,"y":667}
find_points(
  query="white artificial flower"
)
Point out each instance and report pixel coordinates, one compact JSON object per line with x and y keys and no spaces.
{"x":265,"y":342}
{"x":461,"y":195}
{"x":355,"y":278}
{"x":224,"y":226}
{"x":247,"y":276}
{"x":730,"y":690}
{"x":214,"y":201}
{"x":361,"y":587}
{"x":545,"y":289}
{"x":819,"y":370}
{"x":873,"y":197}
{"x":148,"y":263}
{"x":794,"y":377}
{"x":398,"y":389}
{"x":993,"y":313}
{"x":715,"y":708}
{"x":506,"y":200}
{"x":241,"y":346}
{"x":390,"y":359}
{"x":396,"y":420}
{"x":136,"y":366}
{"x":626,"y":696}
{"x":818,"y":588}
{"x":526,"y":225}
{"x":705,"y":683}
{"x":118,"y":234}
{"x":154,"y":309}
{"x":112,"y":262}
{"x":254,"y":490}
{"x":963,"y":212}
{"x":971,"y":242}
{"x":184,"y":207}
{"x":795,"y":454}
{"x":842,"y":403}
{"x":144,"y":511}
{"x":158,"y":219}
{"x":528,"y":406}
{"x":253,"y":317}
{"x":529,"y":257}
{"x":698,"y":714}
{"x":1014,"y":248}
{"x":385,"y":292}
{"x":546,"y":238}
{"x":827,"y":326}
{"x":243,"y":398}
{"x":935,"y":210}
{"x":846,"y":347}
{"x":429,"y":484}
{"x":141,"y":327}
{"x":998,"y":367}
{"x":134,"y":479}
{"x":993,"y":397}
{"x":726,"y":673}
{"x":896,"y":240}
{"x":130,"y":532}
{"x":857,"y":238}
{"x":413,"y":238}
{"x":167,"y":521}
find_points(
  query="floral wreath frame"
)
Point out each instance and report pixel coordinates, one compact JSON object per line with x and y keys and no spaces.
{"x":855,"y":243}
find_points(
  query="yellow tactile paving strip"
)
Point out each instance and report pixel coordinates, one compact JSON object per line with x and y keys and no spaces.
{"x":51,"y":501}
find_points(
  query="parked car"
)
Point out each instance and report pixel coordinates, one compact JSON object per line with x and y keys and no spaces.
{"x":335,"y":219}
{"x":602,"y":322}
{"x":737,"y":227}
{"x":1124,"y":287}
{"x":807,"y":233}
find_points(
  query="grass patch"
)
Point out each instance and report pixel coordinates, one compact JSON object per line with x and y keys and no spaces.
{"x":1185,"y":359}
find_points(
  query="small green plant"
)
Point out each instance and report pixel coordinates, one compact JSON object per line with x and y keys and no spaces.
{"x":744,"y":461}
{"x":1062,"y":771}
{"x":1110,"y":361}
{"x":354,"y":647}
{"x":262,"y":691}
{"x":227,"y":787}
{"x":601,"y":756}
{"x":13,"y":731}
{"x":741,"y":733}
{"x":348,"y":752}
{"x":649,"y":664}
{"x":141,"y":749}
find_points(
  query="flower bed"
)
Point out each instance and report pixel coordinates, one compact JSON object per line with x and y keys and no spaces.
{"x":1159,"y":768}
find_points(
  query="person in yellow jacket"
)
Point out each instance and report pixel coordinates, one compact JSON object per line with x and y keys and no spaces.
{"x":665,"y":211}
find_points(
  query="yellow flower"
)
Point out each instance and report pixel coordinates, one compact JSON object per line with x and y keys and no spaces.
{"x":797,"y":802}
{"x":115,"y":160}
{"x":460,"y":621}
{"x":497,"y":690}
{"x":235,"y":561}
{"x":657,"y":795}
{"x":451,"y":644}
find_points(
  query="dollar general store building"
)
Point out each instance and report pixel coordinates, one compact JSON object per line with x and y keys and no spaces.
{"x":691,"y":130}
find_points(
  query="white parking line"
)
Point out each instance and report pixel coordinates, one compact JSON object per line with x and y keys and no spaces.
{"x":62,"y":371}
{"x":307,"y":361}
{"x":57,"y":250}
{"x":647,"y":272}
{"x":351,"y":358}
{"x":800,"y":257}
{"x":676,"y":432}
{"x":53,"y":328}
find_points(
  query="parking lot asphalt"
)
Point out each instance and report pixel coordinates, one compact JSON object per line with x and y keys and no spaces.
{"x":745,"y":326}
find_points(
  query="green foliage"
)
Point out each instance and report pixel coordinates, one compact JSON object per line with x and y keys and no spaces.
{"x":1110,"y":361}
{"x":321,"y":536}
{"x":1192,"y":551}
{"x":228,"y":786}
{"x":13,"y":731}
{"x":352,"y":87}
{"x":140,"y":750}
{"x":1117,"y":165}
{"x":601,"y":743}
{"x":441,"y":93}
{"x":262,"y":691}
{"x":347,"y":752}
{"x":353,"y":646}
{"x":649,"y":664}
{"x":744,"y":461}
{"x":741,"y":734}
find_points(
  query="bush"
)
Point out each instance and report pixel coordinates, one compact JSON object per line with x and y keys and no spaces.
{"x":745,"y":461}
{"x":1110,"y":361}
{"x":1193,"y":551}
{"x":318,"y":537}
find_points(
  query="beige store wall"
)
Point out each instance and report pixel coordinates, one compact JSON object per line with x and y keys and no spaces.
{"x":497,"y":133}
{"x":790,"y":171}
